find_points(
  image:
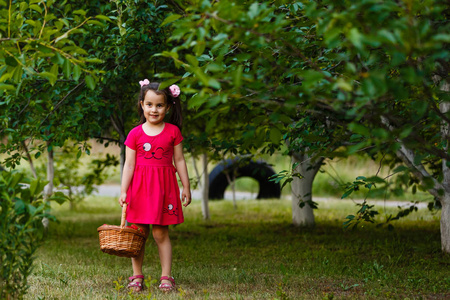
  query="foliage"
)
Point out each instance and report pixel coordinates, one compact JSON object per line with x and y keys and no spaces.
{"x":333,"y":78}
{"x":22,"y":209}
{"x":134,"y":36}
{"x":43,"y":62}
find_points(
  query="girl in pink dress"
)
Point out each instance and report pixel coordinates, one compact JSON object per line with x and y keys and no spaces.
{"x":149,"y":183}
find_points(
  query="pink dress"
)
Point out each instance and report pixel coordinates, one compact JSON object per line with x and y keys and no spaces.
{"x":153,"y":196}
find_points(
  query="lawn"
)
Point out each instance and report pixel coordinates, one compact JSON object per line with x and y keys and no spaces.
{"x":250,"y":253}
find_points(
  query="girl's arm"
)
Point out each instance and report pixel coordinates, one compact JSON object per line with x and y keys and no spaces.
{"x":180,"y":164}
{"x":127,"y":175}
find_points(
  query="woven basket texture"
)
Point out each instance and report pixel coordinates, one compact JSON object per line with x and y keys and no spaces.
{"x":120,"y":240}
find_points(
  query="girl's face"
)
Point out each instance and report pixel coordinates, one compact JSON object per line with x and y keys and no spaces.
{"x":154,"y":107}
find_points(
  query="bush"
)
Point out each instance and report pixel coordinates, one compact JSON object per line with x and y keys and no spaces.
{"x":22,"y":208}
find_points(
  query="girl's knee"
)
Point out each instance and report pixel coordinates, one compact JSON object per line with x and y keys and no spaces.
{"x":145,"y":228}
{"x":160,"y":233}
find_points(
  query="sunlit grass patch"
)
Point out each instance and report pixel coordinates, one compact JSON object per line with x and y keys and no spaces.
{"x":252,"y":252}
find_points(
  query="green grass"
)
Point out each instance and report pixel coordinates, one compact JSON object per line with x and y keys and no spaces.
{"x":250,"y":253}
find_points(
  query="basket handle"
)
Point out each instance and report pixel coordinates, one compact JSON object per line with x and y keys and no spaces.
{"x":124,"y":215}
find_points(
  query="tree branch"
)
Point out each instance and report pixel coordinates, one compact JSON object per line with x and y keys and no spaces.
{"x":408,"y":157}
{"x":107,"y":139}
{"x":62,"y":100}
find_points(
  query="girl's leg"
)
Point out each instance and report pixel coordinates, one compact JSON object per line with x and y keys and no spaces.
{"x":161,"y":236}
{"x":138,"y":261}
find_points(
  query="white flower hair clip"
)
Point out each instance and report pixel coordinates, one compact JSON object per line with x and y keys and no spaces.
{"x":144,"y":82}
{"x":174,"y":90}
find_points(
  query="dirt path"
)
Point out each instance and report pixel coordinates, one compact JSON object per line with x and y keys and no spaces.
{"x":114,"y":191}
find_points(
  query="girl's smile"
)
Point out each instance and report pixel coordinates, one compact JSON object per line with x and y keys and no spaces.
{"x":154,"y":107}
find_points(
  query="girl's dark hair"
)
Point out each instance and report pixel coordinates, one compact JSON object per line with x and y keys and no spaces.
{"x":173,"y":102}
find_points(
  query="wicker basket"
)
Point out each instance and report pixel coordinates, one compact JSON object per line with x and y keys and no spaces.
{"x":121,"y":240}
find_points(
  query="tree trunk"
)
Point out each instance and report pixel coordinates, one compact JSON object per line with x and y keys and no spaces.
{"x":232,"y":184}
{"x":233,"y":188}
{"x":302,"y":189}
{"x":30,"y":159}
{"x":50,"y":171}
{"x":445,"y":223}
{"x":197,"y":174}
{"x":119,"y":127}
{"x":445,"y":199}
{"x":48,"y":190}
{"x":205,"y":188}
{"x":122,"y":158}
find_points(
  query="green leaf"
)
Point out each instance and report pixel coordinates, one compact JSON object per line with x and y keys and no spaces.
{"x":237,"y":79}
{"x":11,"y":61}
{"x":90,"y":82}
{"x":197,"y":100}
{"x":122,"y":30}
{"x":442,"y":37}
{"x":387,"y":35}
{"x":360,"y":129}
{"x":214,"y":83}
{"x":79,"y":12}
{"x":167,"y":83}
{"x":199,"y":48}
{"x":400,"y":169}
{"x":17,"y":74}
{"x":59,"y":197}
{"x":355,"y":37}
{"x":19,"y":206}
{"x":76,"y":72}
{"x":36,"y":8}
{"x":347,"y":193}
{"x":288,"y":180}
{"x":168,"y":54}
{"x":55,"y":71}
{"x":275,"y":135}
{"x":344,"y":85}
{"x":103,"y":17}
{"x":23,"y":6}
{"x":199,"y":74}
{"x":170,"y":19}
{"x":192,"y":60}
{"x":33,"y":185}
{"x":66,"y":68}
{"x":376,"y":179}
{"x":95,"y":22}
{"x":94,"y":60}
{"x":214,"y":68}
{"x":5,"y":87}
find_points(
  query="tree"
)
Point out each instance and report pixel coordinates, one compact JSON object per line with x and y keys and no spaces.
{"x":370,"y":76}
{"x":42,"y":65}
{"x":66,"y":47}
{"x":128,"y":51}
{"x":243,"y":79}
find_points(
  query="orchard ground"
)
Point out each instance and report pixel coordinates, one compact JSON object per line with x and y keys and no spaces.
{"x":252,"y":252}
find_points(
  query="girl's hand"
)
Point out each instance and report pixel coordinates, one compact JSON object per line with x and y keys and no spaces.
{"x":186,"y":197}
{"x":122,"y":199}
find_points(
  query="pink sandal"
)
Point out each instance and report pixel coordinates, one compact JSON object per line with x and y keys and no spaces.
{"x":136,"y":284}
{"x":167,"y":287}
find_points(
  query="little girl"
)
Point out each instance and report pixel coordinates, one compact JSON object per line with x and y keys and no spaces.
{"x":149,"y":183}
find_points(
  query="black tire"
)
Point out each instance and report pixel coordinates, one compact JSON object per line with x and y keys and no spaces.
{"x":258,"y":170}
